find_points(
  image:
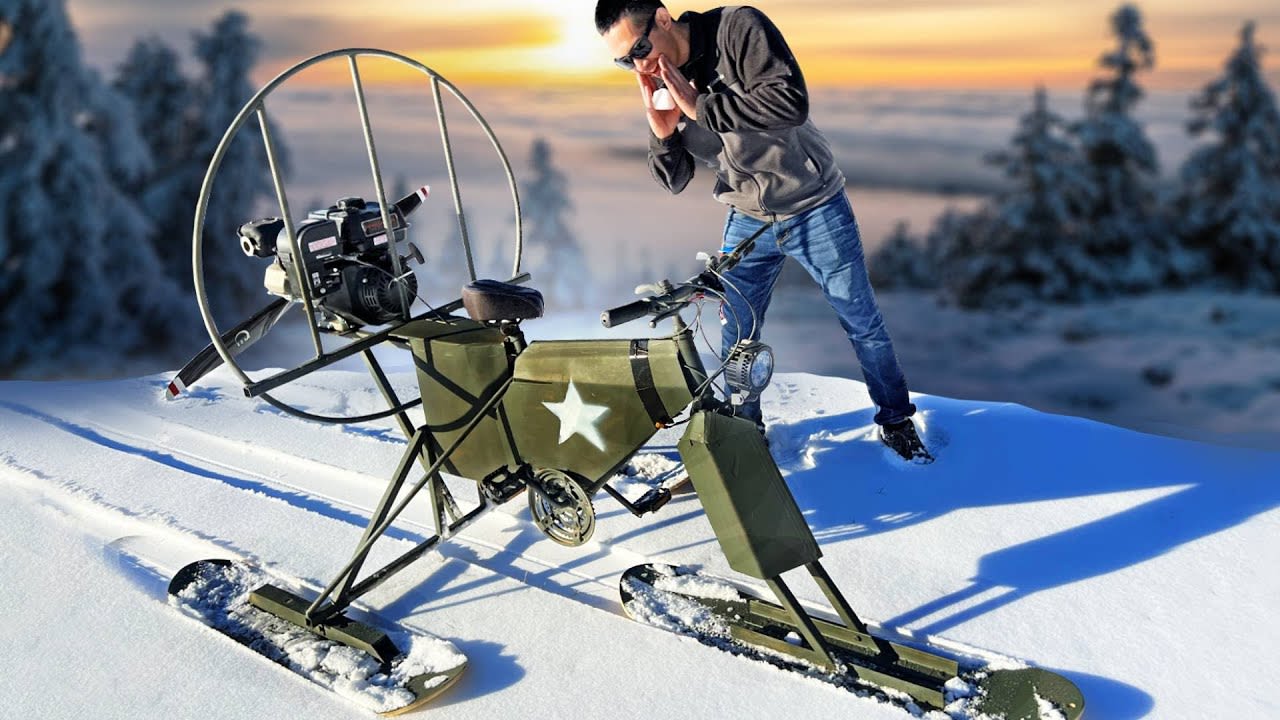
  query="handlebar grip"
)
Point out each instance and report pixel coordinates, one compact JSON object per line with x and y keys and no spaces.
{"x":626,"y":313}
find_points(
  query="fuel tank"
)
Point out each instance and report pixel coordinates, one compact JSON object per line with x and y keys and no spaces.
{"x":581,"y":406}
{"x":586,"y":406}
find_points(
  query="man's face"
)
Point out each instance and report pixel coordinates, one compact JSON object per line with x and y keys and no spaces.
{"x":621,"y":40}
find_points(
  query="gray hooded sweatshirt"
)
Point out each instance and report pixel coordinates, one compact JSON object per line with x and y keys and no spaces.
{"x":753,"y":127}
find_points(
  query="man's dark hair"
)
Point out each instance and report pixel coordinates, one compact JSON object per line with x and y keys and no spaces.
{"x":609,"y":12}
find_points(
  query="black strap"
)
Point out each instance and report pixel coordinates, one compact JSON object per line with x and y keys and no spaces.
{"x":643,"y":374}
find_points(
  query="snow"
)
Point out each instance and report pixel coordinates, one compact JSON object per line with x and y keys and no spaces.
{"x":1104,"y":554}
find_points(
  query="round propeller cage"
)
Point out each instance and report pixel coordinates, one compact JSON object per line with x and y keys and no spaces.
{"x":256,"y":107}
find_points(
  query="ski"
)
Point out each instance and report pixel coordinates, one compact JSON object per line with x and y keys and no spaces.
{"x":721,"y":615}
{"x":352,"y":659}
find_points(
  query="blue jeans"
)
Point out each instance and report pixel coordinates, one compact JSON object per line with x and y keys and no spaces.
{"x":826,"y":243}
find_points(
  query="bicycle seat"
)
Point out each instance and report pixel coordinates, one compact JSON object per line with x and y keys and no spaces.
{"x":494,"y":300}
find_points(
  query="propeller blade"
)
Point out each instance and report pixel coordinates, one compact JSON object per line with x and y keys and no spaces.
{"x":237,"y":339}
{"x":410,"y":202}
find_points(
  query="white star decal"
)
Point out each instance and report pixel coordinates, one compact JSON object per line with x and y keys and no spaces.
{"x":578,"y":418}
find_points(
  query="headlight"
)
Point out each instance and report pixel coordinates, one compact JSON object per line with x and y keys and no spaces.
{"x":762,"y":369}
{"x":749,"y":369}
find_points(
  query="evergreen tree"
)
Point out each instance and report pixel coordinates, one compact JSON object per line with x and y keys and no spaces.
{"x":149,"y":297}
{"x":165,"y":109}
{"x":556,"y":260}
{"x":1026,"y":245}
{"x":1229,"y":201}
{"x":952,"y":241}
{"x":80,"y":288}
{"x":243,"y":188}
{"x":1125,"y":237}
{"x":901,"y":262}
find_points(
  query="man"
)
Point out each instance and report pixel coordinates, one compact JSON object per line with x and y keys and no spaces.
{"x":741,"y":108}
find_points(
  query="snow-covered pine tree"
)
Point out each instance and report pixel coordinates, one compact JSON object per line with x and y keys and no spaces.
{"x":953,"y":243}
{"x":81,"y":290}
{"x":555,"y":256}
{"x":1230,"y":187}
{"x":901,"y":263}
{"x":1125,"y":236}
{"x":150,"y":299}
{"x":1025,"y":245}
{"x":166,"y":112}
{"x":243,"y":189}
{"x":950,"y":243}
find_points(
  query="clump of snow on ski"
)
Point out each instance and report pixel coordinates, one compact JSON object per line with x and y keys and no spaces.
{"x":672,"y":612}
{"x":221,"y":599}
{"x":1048,"y":711}
{"x":693,"y":584}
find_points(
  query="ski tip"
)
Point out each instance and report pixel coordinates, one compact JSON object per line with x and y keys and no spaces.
{"x":640,"y":580}
{"x":426,"y":688}
{"x":1030,"y":694}
{"x":646,"y":573}
{"x":189,"y":573}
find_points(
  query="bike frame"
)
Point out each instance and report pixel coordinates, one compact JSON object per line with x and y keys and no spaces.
{"x":425,"y":448}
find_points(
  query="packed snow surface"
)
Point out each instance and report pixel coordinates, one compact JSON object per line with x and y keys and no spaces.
{"x":1143,"y":568}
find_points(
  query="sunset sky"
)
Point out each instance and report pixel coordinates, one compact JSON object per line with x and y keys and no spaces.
{"x":898,"y":43}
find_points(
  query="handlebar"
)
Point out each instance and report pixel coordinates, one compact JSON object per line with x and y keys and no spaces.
{"x":675,"y":297}
{"x":626,"y":313}
{"x":657,"y":305}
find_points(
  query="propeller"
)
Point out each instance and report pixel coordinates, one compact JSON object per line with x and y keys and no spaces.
{"x":237,"y":340}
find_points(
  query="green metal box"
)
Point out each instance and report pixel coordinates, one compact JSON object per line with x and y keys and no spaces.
{"x":751,"y":509}
{"x":459,"y":364}
{"x":577,"y":405}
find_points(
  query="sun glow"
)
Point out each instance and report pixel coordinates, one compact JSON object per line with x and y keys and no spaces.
{"x":558,"y":44}
{"x":578,"y":50}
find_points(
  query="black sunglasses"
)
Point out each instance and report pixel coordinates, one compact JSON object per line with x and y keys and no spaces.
{"x":640,"y":50}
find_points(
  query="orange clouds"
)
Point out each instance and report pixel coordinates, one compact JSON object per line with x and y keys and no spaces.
{"x":913,"y":43}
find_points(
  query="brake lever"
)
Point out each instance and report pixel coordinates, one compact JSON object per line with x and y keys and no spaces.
{"x":710,"y":280}
{"x":675,"y":310}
